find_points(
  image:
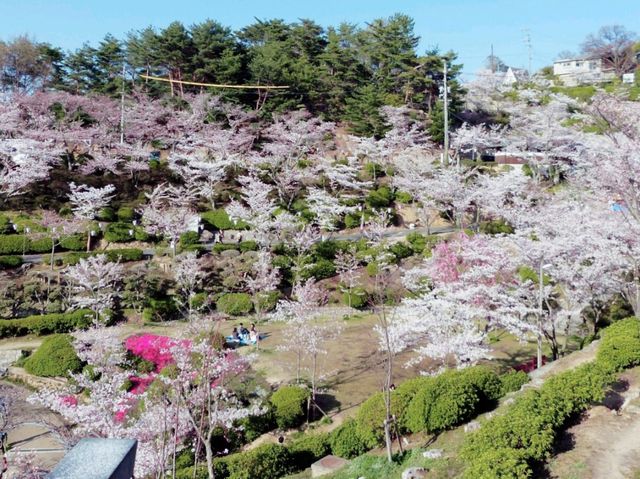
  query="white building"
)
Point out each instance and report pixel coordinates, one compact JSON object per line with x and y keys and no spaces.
{"x":578,"y":71}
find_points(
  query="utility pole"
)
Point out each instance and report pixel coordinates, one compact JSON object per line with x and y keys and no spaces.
{"x":122,"y":107}
{"x":540,"y":312}
{"x":527,"y":42}
{"x":446,"y":117}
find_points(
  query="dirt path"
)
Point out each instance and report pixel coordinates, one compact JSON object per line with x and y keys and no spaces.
{"x":605,"y":444}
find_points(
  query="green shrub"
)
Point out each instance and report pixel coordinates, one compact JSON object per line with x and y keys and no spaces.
{"x":126,"y":214}
{"x":327,"y":249}
{"x":352,"y":220}
{"x":266,"y":461}
{"x":39,"y":245}
{"x":486,"y":382}
{"x":309,"y":448}
{"x":357,"y":298}
{"x":525,"y":433}
{"x":119,"y":232}
{"x":219,"y":219}
{"x":289,"y":405}
{"x":513,"y":381}
{"x":8,"y":262}
{"x":220,"y":247}
{"x":54,"y":357}
{"x":45,"y":324}
{"x":403,"y":197}
{"x":6,"y":226}
{"x":12,"y":244}
{"x":107,"y":214}
{"x":499,"y":464}
{"x":248,"y":245}
{"x":321,"y":269}
{"x":441,"y":404}
{"x":380,"y":198}
{"x":620,"y":345}
{"x":374,"y":170}
{"x":235,"y":304}
{"x":346,"y":442}
{"x":75,"y":242}
{"x":256,"y":425}
{"x":401,"y":250}
{"x":495,"y":227}
{"x":267,"y":301}
{"x":159,"y":309}
{"x":124,"y":254}
{"x":189,"y":238}
{"x":121,"y":255}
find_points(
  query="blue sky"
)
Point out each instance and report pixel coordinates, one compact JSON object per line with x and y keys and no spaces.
{"x":466,"y":26}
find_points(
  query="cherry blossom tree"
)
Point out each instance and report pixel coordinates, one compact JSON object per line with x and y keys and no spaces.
{"x":168,"y":213}
{"x":298,"y":312}
{"x":22,"y":163}
{"x":260,"y":211}
{"x":200,"y":387}
{"x":189,"y":275}
{"x":94,"y":283}
{"x":347,"y":265}
{"x":263,"y":280}
{"x":88,"y":201}
{"x":327,"y":208}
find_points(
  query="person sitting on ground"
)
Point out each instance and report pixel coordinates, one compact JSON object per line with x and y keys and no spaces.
{"x":243,"y":331}
{"x":253,"y":334}
{"x":235,"y":335}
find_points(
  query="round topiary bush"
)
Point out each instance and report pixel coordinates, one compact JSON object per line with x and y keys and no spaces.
{"x":442,"y":403}
{"x":372,"y":412}
{"x":126,"y":214}
{"x":54,"y":357}
{"x":310,"y":448}
{"x":289,"y":404}
{"x":346,"y":442}
{"x":620,"y":345}
{"x":235,"y":304}
{"x":268,"y":460}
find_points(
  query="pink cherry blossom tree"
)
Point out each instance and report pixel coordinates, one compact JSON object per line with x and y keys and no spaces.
{"x":94,"y":283}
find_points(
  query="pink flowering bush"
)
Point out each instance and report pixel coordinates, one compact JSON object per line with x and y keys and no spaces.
{"x":153,"y":348}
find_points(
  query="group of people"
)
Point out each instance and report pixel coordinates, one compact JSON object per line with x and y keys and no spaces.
{"x":244,"y":335}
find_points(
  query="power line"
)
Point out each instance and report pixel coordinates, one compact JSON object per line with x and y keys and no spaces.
{"x":216,"y":85}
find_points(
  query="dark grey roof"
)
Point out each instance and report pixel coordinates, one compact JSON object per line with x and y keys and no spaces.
{"x":98,"y":459}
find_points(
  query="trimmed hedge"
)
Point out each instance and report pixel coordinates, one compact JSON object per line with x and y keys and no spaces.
{"x":507,"y":445}
{"x":119,"y":233}
{"x":219,"y":219}
{"x":452,"y":398}
{"x":309,"y":448}
{"x":235,"y":304}
{"x":346,"y":442}
{"x":372,"y":413}
{"x":620,"y":345}
{"x":122,"y":255}
{"x":289,"y":406}
{"x":8,"y":262}
{"x":16,"y":244}
{"x":55,"y":357}
{"x":513,"y":381}
{"x":45,"y":324}
{"x":268,"y":460}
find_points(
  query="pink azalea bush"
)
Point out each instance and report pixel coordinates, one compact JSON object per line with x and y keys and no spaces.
{"x":153,"y":348}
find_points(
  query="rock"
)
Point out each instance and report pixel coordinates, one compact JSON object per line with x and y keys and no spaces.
{"x":327,"y":465}
{"x":472,"y":426}
{"x":432,"y":453}
{"x":414,"y":473}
